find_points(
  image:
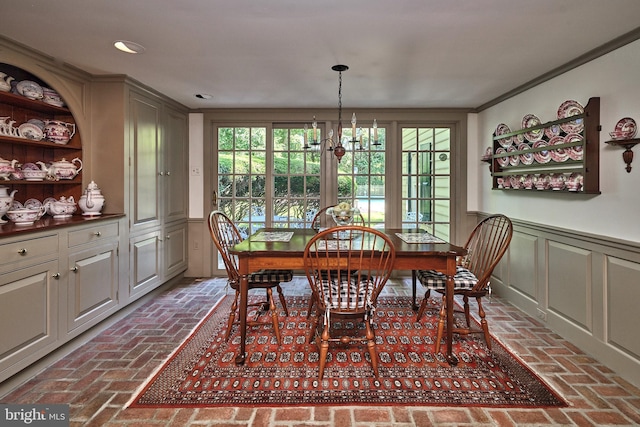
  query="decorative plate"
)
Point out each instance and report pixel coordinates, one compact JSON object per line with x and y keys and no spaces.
{"x":529,"y":121}
{"x":525,"y":158}
{"x":502,"y":161}
{"x":568,"y":109}
{"x":541,"y":156}
{"x":33,"y":204}
{"x":518,"y":139}
{"x":575,"y":153}
{"x":37,"y":122}
{"x":501,"y":130}
{"x":627,"y":126}
{"x":29,"y":89}
{"x":513,"y":160}
{"x":16,"y":205}
{"x":30,"y":167}
{"x":30,"y":131}
{"x":551,"y":131}
{"x":559,"y":154}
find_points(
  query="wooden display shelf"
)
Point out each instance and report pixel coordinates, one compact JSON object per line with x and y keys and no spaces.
{"x":588,"y":167}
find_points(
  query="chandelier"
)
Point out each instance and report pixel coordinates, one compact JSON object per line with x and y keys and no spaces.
{"x":336,"y":145}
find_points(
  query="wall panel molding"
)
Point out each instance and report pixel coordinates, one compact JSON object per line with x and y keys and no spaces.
{"x":584,"y":287}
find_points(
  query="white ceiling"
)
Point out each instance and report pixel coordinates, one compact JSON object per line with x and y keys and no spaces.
{"x":279,"y":53}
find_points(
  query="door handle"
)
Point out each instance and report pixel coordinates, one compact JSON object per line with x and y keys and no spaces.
{"x":214,"y":200}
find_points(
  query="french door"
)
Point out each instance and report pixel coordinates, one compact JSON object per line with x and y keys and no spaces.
{"x":266,"y":178}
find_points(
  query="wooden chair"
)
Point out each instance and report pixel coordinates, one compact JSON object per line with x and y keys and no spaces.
{"x":321,"y":219}
{"x":225,"y":235}
{"x":485,"y":247}
{"x":346,"y":276}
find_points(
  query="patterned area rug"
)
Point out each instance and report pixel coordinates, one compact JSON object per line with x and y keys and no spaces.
{"x":202,"y":372}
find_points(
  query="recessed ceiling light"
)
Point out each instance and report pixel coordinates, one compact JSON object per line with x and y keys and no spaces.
{"x":203,"y":96}
{"x":128,"y":47}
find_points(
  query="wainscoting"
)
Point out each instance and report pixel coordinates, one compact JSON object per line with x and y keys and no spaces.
{"x":584,"y":287}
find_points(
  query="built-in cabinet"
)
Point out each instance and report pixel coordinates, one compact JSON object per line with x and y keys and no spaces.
{"x":55,"y":284}
{"x":58,"y":278}
{"x":152,"y":180}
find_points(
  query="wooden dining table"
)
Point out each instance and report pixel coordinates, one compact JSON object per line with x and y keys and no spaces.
{"x":254,"y":254}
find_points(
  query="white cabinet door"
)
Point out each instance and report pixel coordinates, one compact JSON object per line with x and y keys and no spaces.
{"x":28,"y":315}
{"x":93,"y":284}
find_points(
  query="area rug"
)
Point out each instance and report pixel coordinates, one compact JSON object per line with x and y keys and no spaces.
{"x":202,"y":372}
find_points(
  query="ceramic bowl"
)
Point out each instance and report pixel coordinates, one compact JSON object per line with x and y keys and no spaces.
{"x":34,"y":174}
{"x":24,"y":216}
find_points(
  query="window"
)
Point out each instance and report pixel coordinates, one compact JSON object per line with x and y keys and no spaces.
{"x":265,"y":177}
{"x":426,"y":179}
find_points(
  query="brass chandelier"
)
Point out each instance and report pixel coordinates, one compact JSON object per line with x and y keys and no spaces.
{"x":336,"y":145}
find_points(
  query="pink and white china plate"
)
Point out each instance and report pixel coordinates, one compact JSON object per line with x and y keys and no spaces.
{"x":525,"y":158}
{"x":571,"y":108}
{"x":625,"y":129}
{"x":529,"y":121}
{"x":575,"y":153}
{"x":542,"y":156}
{"x":514,"y":160}
{"x":503,"y":129}
{"x":558,"y":155}
{"x":551,"y":131}
{"x":502,"y":161}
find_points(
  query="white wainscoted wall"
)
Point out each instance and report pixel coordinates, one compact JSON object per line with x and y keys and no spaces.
{"x":574,"y":261}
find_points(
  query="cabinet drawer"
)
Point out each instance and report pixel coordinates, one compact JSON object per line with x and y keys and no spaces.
{"x":29,"y":249}
{"x":92,"y":234}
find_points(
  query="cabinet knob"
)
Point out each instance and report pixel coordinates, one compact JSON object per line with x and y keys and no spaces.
{"x":160,"y":173}
{"x":168,"y":173}
{"x":168,"y":236}
{"x":22,"y":251}
{"x":97,"y":233}
{"x":55,"y":276}
{"x":75,"y":269}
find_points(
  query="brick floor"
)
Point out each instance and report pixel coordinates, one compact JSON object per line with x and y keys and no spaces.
{"x":99,"y":376}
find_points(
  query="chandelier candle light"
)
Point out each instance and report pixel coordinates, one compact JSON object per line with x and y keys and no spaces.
{"x":336,"y":145}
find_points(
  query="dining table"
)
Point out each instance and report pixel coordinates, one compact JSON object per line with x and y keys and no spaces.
{"x":283,"y":249}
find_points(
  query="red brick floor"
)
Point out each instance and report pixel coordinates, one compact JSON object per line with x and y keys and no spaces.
{"x":98,"y":377}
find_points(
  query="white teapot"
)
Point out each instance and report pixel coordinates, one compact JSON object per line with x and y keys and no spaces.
{"x":92,"y":200}
{"x":6,"y":201}
{"x":63,"y":169}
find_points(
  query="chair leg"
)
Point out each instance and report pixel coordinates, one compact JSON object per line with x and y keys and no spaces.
{"x":274,"y":315}
{"x":441,"y":322}
{"x":423,"y":304}
{"x":467,"y":315}
{"x":414,"y":280}
{"x":323,"y":346}
{"x":312,"y":301}
{"x":282,"y":301}
{"x":232,"y":315}
{"x":314,"y":329}
{"x":483,"y":323}
{"x":371,"y":345}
